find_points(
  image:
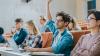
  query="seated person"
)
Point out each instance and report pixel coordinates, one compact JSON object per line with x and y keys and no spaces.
{"x":1,"y":37}
{"x":89,"y":44}
{"x":33,"y":40}
{"x":43,"y":27}
{"x":20,"y":33}
{"x":62,"y":40}
{"x":73,"y":26}
{"x":42,"y":23}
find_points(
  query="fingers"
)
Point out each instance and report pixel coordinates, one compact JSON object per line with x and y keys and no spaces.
{"x":27,"y":48}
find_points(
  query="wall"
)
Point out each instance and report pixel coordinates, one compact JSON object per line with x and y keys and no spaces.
{"x":81,"y":9}
{"x":98,"y":5}
{"x":12,"y":9}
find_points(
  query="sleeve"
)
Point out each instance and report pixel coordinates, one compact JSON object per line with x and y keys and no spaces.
{"x":73,"y":52}
{"x":21,"y":37}
{"x":51,"y":26}
{"x":93,"y":51}
{"x":36,"y":41}
{"x":2,"y":40}
{"x":65,"y":43}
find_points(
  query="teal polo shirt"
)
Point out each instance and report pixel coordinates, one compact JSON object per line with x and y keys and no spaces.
{"x":64,"y":45}
{"x":51,"y":25}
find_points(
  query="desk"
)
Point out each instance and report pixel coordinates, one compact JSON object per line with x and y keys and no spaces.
{"x":45,"y":54}
{"x":4,"y":52}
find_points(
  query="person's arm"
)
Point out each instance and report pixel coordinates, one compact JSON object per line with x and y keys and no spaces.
{"x":93,"y":51}
{"x":73,"y":52}
{"x":66,"y":42}
{"x":48,"y":10}
{"x":49,"y":49}
{"x":35,"y":42}
{"x":21,"y":37}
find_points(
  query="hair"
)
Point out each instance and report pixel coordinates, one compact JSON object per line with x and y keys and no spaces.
{"x":95,"y":13}
{"x":65,"y":17}
{"x":18,"y":20}
{"x":31,"y":23}
{"x":42,"y":18}
{"x":1,"y":30}
{"x":73,"y":22}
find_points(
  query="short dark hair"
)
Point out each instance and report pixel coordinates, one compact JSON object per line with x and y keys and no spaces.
{"x":95,"y":13}
{"x":65,"y":17}
{"x":18,"y":20}
{"x":1,"y":30}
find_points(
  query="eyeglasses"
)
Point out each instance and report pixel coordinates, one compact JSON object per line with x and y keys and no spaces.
{"x":90,"y":19}
{"x":59,"y":20}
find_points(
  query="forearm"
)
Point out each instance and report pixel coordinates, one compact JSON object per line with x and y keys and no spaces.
{"x":48,"y":12}
{"x":49,"y":49}
{"x":34,"y":44}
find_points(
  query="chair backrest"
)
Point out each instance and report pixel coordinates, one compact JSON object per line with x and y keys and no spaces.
{"x":47,"y":39}
{"x":78,"y":34}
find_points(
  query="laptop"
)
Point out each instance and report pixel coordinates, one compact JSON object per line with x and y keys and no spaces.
{"x":14,"y":46}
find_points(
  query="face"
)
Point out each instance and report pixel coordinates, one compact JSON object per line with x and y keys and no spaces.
{"x":18,"y":25}
{"x":70,"y":25}
{"x":41,"y":21}
{"x":29,"y":27}
{"x":59,"y":22}
{"x":92,"y":22}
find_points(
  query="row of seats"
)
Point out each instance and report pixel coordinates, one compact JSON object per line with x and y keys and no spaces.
{"x":47,"y":37}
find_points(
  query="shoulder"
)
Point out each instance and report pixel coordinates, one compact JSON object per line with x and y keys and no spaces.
{"x":50,"y":21}
{"x":85,"y":36}
{"x":23,"y":31}
{"x":67,"y":35}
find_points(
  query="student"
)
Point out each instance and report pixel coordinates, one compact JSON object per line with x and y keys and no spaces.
{"x":73,"y":26}
{"x":33,"y":40}
{"x":44,"y":27}
{"x":19,"y":33}
{"x":89,"y":44}
{"x":1,"y":37}
{"x":42,"y":22}
{"x":50,"y":25}
{"x":62,"y":40}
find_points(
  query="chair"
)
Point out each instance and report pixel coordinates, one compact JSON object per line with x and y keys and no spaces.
{"x":46,"y":39}
{"x":78,"y":34}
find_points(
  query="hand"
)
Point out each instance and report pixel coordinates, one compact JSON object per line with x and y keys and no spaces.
{"x":7,"y":36}
{"x":27,"y":49}
{"x":49,"y":1}
{"x":13,"y":30}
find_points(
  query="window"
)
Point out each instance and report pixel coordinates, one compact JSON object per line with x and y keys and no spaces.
{"x":91,"y":5}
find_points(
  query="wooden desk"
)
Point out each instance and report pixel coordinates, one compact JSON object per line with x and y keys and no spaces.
{"x":4,"y":52}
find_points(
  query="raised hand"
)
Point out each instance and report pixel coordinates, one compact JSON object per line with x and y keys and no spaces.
{"x":49,"y":1}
